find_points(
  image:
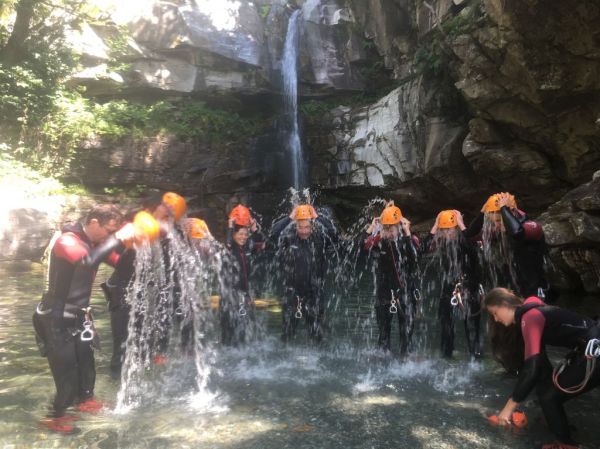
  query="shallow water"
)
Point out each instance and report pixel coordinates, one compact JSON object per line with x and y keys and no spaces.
{"x":267,"y":395}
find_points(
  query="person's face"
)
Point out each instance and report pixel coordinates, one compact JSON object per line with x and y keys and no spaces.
{"x":98,"y":233}
{"x":303,"y":229}
{"x":495,"y":219}
{"x":241,"y":237}
{"x":390,"y":232}
{"x":448,"y":234}
{"x":502,"y":314}
{"x":162,"y":212}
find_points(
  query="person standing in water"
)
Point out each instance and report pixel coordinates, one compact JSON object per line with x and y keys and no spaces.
{"x":115,"y":292}
{"x":527,"y":327}
{"x":237,"y":311}
{"x":514,"y":246}
{"x":393,"y":248}
{"x":455,"y":260}
{"x":63,"y":321}
{"x":302,"y":256}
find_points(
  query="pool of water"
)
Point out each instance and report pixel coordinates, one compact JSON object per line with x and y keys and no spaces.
{"x":343,"y":394}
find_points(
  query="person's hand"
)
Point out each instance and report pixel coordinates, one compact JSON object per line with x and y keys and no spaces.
{"x":434,"y":229}
{"x":253,"y":225}
{"x":231,"y":223}
{"x":126,"y":233}
{"x":405,"y":224}
{"x":504,"y":199}
{"x":459,"y":220}
{"x":374,"y":224}
{"x":505,"y":416}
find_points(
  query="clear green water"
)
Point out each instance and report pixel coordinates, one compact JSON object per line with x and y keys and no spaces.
{"x":266,"y":395}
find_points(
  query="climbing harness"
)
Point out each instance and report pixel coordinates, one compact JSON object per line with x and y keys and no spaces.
{"x":298,"y":313}
{"x":88,"y":332}
{"x":591,"y":353}
{"x":394,"y":305}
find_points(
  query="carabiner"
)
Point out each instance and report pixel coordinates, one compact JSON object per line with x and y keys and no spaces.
{"x":87,"y":334}
{"x":417,"y":294}
{"x":393,"y":307}
{"x":298,"y":313}
{"x":178,"y":311}
{"x":40,"y":311}
{"x":454,"y":301}
{"x":540,"y":293}
{"x":242,"y":311}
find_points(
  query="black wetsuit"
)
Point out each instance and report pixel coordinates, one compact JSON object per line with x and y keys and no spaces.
{"x":59,"y":320}
{"x":237,"y":312}
{"x":115,"y":291}
{"x":542,"y":325}
{"x":528,"y":247}
{"x":304,"y":264}
{"x":467,"y":273}
{"x":396,"y":279}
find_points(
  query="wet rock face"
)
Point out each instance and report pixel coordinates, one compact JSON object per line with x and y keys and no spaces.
{"x":572,"y":228}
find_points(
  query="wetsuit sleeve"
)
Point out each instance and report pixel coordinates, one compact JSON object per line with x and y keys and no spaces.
{"x":113,"y":259}
{"x":474,"y":227}
{"x":425,"y":245}
{"x":532,"y":329}
{"x":329,"y":227}
{"x":101,"y":252}
{"x":69,"y":247}
{"x":229,"y":240}
{"x":279,"y":226}
{"x":258,"y":242}
{"x":370,"y":241}
{"x":511,"y":223}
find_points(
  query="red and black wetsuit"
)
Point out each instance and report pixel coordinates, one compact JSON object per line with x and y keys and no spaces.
{"x":237,"y":294}
{"x":73,"y":265}
{"x":396,"y":276}
{"x":542,"y":325}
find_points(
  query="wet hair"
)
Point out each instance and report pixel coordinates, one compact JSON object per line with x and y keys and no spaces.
{"x":237,"y":227}
{"x":506,"y":341}
{"x":104,"y":213}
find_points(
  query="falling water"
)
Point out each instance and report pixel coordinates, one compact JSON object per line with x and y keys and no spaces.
{"x":290,"y":85}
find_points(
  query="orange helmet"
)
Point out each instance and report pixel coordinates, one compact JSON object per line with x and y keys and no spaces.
{"x":241,"y":215}
{"x":305,"y":212}
{"x":176,"y":204}
{"x":491,"y":205}
{"x":196,"y":228}
{"x":447,"y":219}
{"x":391,"y":215}
{"x":146,"y":227}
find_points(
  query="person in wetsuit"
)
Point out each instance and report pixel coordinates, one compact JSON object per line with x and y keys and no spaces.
{"x":393,"y":248}
{"x":115,"y":292}
{"x":533,"y":325}
{"x":514,"y":247}
{"x":456,"y":264}
{"x":302,"y":257}
{"x":237,"y":311}
{"x":63,"y":322}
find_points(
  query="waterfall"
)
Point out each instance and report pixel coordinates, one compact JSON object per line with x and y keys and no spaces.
{"x":289,"y":68}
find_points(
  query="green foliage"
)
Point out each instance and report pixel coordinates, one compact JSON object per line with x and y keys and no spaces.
{"x":264,"y":11}
{"x":76,"y":119}
{"x":120,"y":50}
{"x":18,"y":177}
